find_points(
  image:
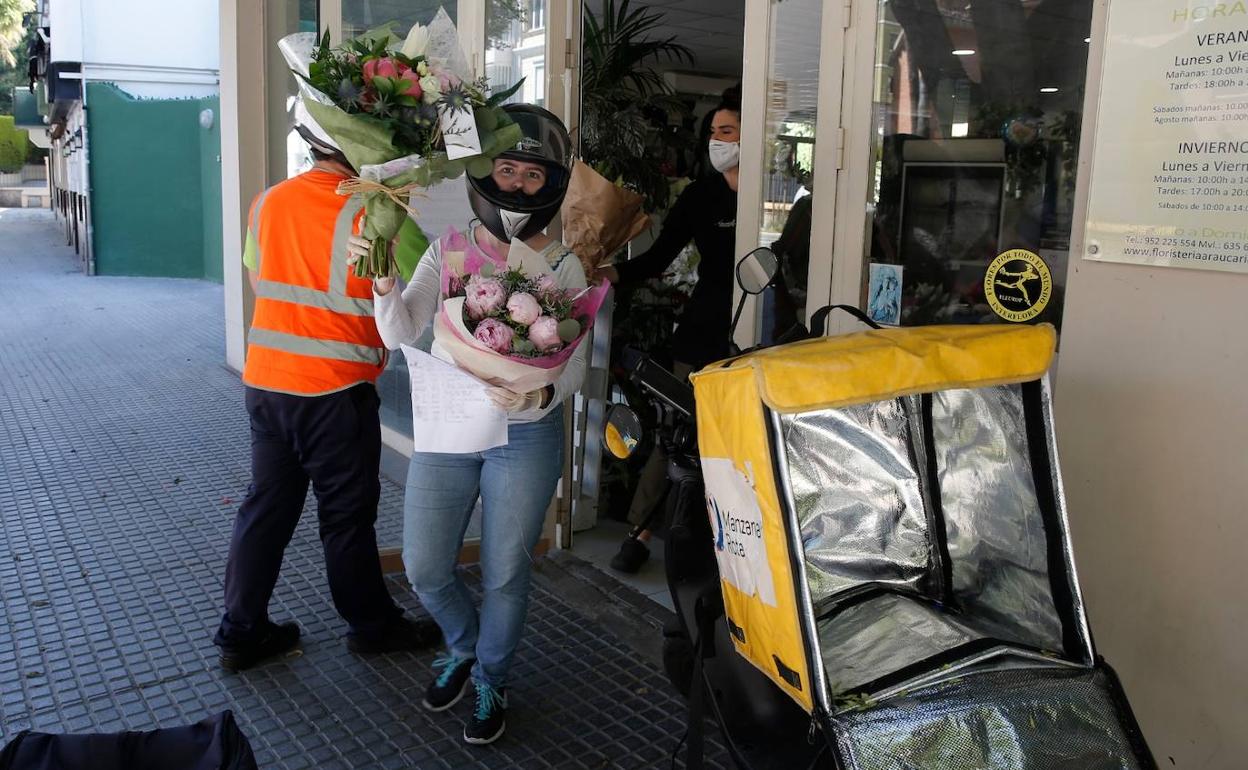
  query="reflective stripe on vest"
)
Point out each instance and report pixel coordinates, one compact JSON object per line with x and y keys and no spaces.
{"x":302,"y":295}
{"x":255,"y":225}
{"x":339,"y":268}
{"x":309,"y":346}
{"x":336,"y":299}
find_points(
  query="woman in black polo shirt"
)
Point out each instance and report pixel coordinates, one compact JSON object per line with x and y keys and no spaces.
{"x":706,"y":213}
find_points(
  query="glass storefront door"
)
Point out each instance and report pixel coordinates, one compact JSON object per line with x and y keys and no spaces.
{"x":288,"y":153}
{"x":791,"y":109}
{"x":515,"y":47}
{"x":359,"y":16}
{"x":975,"y":113}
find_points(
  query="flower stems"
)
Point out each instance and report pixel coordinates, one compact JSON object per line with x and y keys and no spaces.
{"x":377,"y":263}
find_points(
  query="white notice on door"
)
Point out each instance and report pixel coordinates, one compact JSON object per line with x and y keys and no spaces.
{"x":450,"y":411}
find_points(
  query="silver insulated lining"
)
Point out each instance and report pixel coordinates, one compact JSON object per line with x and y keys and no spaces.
{"x":857,"y":498}
{"x":1021,"y":719}
{"x":993,"y":525}
{"x":926,"y":556}
{"x":860,"y":488}
{"x":884,"y":634}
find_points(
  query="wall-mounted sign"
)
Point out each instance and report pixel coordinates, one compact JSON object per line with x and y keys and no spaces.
{"x":1169,"y":183}
{"x":1018,"y":285}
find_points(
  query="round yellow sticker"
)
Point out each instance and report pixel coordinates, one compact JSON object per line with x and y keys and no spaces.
{"x":1018,"y":285}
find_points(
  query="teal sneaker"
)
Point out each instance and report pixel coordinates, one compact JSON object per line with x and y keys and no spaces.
{"x":489,"y":717}
{"x":450,"y":684}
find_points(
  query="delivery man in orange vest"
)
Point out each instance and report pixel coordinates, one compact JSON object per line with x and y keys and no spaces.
{"x":313,"y":357}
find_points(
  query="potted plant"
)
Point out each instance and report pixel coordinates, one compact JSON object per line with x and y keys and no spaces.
{"x":626,"y":103}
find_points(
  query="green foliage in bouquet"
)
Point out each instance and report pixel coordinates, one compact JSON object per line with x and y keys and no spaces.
{"x":400,"y":97}
{"x":384,"y":100}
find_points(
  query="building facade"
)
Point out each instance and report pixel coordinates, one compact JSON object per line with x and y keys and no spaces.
{"x":131,"y":124}
{"x":965,"y":164}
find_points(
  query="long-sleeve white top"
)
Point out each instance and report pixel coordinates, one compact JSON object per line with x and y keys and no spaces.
{"x":402,"y":316}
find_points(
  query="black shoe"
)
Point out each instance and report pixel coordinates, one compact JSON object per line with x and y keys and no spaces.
{"x":633,"y":553}
{"x":276,"y":640}
{"x":402,"y":635}
{"x":489,"y":718}
{"x":450,"y":684}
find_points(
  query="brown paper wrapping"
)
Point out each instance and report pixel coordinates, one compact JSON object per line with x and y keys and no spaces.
{"x":598,"y":217}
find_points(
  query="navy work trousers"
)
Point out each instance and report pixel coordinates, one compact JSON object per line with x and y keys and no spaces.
{"x":333,"y":441}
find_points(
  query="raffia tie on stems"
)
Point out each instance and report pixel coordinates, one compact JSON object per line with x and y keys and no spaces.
{"x":358,"y":186}
{"x":379,"y":262}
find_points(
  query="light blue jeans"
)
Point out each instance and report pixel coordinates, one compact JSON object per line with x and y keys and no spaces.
{"x":515,"y":482}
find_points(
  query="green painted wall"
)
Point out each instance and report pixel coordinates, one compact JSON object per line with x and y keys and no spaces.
{"x":26,"y":108}
{"x":210,"y":190}
{"x":155,"y":185}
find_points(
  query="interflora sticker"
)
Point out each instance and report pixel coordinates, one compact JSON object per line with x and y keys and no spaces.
{"x":737,"y":524}
{"x":1018,"y":285}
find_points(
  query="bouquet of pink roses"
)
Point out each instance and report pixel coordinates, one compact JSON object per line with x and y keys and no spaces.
{"x":509,"y":324}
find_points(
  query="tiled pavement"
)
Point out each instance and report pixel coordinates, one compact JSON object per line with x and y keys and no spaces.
{"x":123,"y":454}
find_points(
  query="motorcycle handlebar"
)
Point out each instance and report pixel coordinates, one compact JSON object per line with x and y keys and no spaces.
{"x":658,"y":381}
{"x":678,"y":394}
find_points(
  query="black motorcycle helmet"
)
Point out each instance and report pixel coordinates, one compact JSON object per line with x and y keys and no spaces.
{"x":509,"y":215}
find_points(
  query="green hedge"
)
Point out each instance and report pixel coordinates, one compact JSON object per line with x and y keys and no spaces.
{"x":14,"y":146}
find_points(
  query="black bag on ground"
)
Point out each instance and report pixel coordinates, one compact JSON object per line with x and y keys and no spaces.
{"x":215,"y":743}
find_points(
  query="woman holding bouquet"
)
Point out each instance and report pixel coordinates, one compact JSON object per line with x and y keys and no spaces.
{"x":706,"y":213}
{"x":515,"y":481}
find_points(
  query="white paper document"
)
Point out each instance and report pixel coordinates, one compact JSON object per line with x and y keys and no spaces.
{"x":450,"y":411}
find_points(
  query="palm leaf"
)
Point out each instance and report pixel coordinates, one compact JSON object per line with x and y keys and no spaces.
{"x":620,"y":89}
{"x":502,"y":96}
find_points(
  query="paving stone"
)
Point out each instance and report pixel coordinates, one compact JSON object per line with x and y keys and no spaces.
{"x":123,"y":457}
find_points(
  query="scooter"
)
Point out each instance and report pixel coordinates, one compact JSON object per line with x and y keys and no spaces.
{"x":872,"y":570}
{"x":760,"y":727}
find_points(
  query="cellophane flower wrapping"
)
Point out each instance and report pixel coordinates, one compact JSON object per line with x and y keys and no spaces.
{"x":466,"y":326}
{"x":406,"y":112}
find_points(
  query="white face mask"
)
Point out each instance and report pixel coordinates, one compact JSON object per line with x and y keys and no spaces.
{"x":724,"y":155}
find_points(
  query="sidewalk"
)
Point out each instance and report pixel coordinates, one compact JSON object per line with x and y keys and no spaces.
{"x":123,"y":455}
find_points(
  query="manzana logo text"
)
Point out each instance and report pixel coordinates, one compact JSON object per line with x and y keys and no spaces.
{"x":731,"y":531}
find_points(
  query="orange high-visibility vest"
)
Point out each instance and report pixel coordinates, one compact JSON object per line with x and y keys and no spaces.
{"x":313,"y":330}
